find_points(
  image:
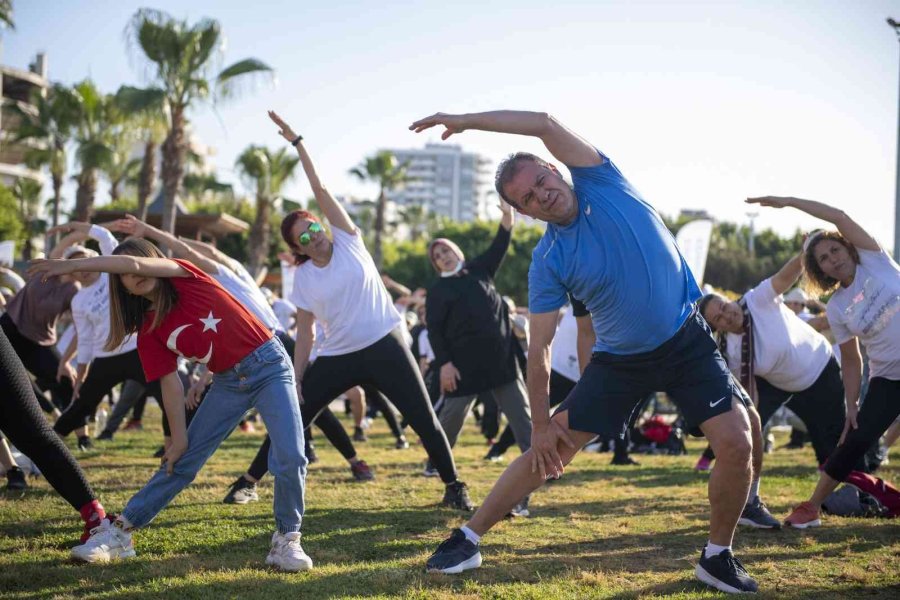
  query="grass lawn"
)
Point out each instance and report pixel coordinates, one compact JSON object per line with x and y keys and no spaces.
{"x":599,"y":532}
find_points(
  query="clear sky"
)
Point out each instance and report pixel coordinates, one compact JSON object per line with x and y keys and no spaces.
{"x":701,"y":104}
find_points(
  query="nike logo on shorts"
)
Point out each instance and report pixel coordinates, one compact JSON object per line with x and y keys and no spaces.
{"x":716,"y":403}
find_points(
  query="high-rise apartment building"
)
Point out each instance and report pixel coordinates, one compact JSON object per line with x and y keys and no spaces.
{"x":446,"y":180}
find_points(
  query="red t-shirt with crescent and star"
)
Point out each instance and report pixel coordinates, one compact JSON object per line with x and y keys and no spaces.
{"x":207,"y":325}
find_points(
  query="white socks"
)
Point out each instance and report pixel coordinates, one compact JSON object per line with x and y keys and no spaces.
{"x":470,"y":535}
{"x":754,"y":490}
{"x":715,"y":550}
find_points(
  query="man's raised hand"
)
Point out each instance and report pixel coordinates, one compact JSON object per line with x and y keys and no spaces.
{"x":452,"y":124}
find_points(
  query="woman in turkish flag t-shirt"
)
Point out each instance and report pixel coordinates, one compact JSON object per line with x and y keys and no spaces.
{"x":177,"y":311}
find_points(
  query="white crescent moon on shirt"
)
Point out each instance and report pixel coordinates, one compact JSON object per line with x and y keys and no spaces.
{"x":172,"y":344}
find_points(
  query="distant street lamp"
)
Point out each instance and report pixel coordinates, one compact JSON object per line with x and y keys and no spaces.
{"x":896,"y":27}
{"x":751,"y":242}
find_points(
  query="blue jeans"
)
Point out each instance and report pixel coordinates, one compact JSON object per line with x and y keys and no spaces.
{"x":264,"y":379}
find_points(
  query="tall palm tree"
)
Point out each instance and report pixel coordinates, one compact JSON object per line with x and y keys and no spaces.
{"x":384,"y":170}
{"x":51,"y":125}
{"x":28,"y":193}
{"x":267,"y":171}
{"x":93,"y":143}
{"x":6,"y":14}
{"x":147,"y":113}
{"x":416,"y":218}
{"x":184,"y":59}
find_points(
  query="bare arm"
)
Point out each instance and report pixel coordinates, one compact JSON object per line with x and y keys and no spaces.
{"x":209,"y":251}
{"x":585,"y":341}
{"x":173,"y":400}
{"x":72,"y":238}
{"x":134,"y":226}
{"x":333,"y":210}
{"x":543,"y":329}
{"x":119,"y":264}
{"x":390,"y":284}
{"x":306,"y":337}
{"x":849,"y":228}
{"x":851,"y":371}
{"x":819,"y":323}
{"x":787,"y":276}
{"x":565,"y":145}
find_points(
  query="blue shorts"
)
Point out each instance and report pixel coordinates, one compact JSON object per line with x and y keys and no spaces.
{"x":688,"y":367}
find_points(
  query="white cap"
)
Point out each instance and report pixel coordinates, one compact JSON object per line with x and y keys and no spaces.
{"x":796,"y":295}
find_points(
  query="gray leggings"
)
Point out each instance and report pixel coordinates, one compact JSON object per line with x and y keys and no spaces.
{"x":512,"y":400}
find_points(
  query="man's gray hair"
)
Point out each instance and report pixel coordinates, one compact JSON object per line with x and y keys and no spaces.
{"x":508,"y":168}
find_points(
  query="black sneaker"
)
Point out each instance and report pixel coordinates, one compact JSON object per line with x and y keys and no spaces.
{"x":725,"y":573}
{"x":311,"y":456}
{"x":455,"y":555}
{"x":15,"y":480}
{"x":359,"y":435}
{"x":105,"y":436}
{"x":430,"y":470}
{"x":361,"y":471}
{"x":85,"y":443}
{"x":625,"y":461}
{"x":493,"y":455}
{"x":756,"y":515}
{"x":401,"y":443}
{"x":241,"y":492}
{"x":456,"y":496}
{"x":160,"y":452}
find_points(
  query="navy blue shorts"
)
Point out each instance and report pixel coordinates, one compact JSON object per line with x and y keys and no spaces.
{"x":688,"y":367}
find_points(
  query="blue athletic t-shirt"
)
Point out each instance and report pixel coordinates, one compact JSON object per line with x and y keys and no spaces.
{"x":619,"y":259}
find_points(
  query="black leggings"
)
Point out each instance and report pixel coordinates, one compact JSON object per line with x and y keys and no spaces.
{"x":389,"y":366}
{"x":43,"y":363}
{"x":105,"y":373}
{"x":879,"y":409}
{"x":820,"y":406}
{"x":23,"y":423}
{"x":377,"y":400}
{"x":560,"y":386}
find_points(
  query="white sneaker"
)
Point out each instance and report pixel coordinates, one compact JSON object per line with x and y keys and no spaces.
{"x":107,"y":543}
{"x":287,"y":554}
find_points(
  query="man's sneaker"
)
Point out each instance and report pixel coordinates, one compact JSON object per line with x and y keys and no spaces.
{"x":757,"y":515}
{"x":105,"y":435}
{"x":359,"y":435}
{"x":15,"y":480}
{"x":133,"y":425}
{"x":725,"y":573}
{"x":520,"y":510}
{"x":430,"y":470}
{"x":85,"y":443}
{"x":804,"y":515}
{"x":455,"y":555}
{"x":703,"y":464}
{"x":287,"y":554}
{"x":108,"y":542}
{"x":241,"y":492}
{"x":401,"y":443}
{"x":361,"y":471}
{"x":625,"y":461}
{"x":456,"y":495}
{"x":493,"y":455}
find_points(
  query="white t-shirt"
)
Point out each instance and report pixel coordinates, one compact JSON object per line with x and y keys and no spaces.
{"x":286,"y":313}
{"x":251,"y":297}
{"x":868,"y":309}
{"x":346,"y":296}
{"x":90,"y":310}
{"x":564,"y":351}
{"x":787,"y":353}
{"x":425,"y":349}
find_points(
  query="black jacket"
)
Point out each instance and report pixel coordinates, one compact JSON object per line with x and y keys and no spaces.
{"x":468,"y":323}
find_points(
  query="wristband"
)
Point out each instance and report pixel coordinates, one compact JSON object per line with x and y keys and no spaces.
{"x":296,"y":140}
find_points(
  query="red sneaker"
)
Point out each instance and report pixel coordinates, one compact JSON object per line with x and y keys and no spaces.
{"x":133,"y":425}
{"x":804,"y":515}
{"x":361,"y":471}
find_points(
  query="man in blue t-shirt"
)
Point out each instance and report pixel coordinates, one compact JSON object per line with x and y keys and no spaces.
{"x":610,"y":249}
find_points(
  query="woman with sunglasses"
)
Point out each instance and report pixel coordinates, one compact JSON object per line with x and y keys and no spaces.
{"x":336,"y":283}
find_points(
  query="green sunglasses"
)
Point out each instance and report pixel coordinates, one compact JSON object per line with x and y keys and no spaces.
{"x":305,"y":238}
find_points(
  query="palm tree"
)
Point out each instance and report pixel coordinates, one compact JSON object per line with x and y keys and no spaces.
{"x":148,"y":117}
{"x":123,"y":133}
{"x":6,"y":11}
{"x":184,"y":58}
{"x":28,"y":193}
{"x":51,"y":126}
{"x":416,"y":218}
{"x":267,"y":171}
{"x":93,"y":139}
{"x":383,"y":169}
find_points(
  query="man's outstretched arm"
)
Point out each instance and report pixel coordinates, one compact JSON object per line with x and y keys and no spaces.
{"x":564,"y":144}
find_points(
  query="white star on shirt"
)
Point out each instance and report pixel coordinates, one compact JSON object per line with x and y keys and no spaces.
{"x":210,"y":322}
